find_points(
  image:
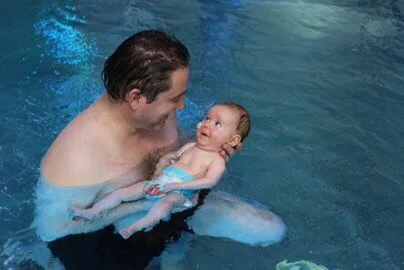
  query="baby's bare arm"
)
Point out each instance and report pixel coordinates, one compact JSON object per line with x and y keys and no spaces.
{"x":212,"y":177}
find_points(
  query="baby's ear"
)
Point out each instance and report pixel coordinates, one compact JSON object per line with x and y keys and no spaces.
{"x":235,"y":141}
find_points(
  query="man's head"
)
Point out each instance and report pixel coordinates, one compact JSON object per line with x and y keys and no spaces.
{"x":149,"y":71}
{"x":226,"y":122}
{"x":144,"y":61}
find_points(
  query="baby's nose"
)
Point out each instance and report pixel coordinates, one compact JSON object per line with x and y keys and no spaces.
{"x":207,"y":124}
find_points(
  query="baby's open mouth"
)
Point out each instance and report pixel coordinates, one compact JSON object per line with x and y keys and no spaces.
{"x":205,"y":134}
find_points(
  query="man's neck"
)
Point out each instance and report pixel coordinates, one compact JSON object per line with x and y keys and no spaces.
{"x":115,"y":115}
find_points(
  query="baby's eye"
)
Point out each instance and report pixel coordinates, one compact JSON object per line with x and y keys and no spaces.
{"x":218,"y":124}
{"x":207,"y":118}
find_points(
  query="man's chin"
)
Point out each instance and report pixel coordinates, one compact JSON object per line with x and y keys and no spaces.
{"x":158,"y":126}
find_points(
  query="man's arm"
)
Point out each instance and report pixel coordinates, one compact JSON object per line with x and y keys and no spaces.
{"x":212,"y":177}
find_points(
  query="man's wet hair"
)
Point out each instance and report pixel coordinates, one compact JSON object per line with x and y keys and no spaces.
{"x":144,"y":61}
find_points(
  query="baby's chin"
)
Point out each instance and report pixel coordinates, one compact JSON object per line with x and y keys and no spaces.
{"x":202,"y":140}
{"x":209,"y":146}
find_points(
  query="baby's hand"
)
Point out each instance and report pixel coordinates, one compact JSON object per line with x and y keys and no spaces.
{"x":154,"y":190}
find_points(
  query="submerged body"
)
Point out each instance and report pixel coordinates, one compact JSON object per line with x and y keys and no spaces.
{"x":53,"y":220}
{"x":220,"y":215}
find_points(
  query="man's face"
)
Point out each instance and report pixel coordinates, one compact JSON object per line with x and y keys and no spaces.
{"x":155,"y":114}
{"x":218,"y":127}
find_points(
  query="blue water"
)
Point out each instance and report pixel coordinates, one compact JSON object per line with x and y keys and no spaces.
{"x":323,"y":80}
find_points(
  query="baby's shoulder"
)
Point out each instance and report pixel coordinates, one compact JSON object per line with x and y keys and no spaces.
{"x":216,"y":158}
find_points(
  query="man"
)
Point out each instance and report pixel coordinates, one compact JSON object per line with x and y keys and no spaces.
{"x":146,"y":79}
{"x":111,"y":144}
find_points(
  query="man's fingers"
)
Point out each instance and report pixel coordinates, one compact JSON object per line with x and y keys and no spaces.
{"x":229,"y":149}
{"x":224,"y":155}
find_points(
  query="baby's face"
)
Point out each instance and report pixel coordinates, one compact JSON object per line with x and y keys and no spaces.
{"x":218,"y":127}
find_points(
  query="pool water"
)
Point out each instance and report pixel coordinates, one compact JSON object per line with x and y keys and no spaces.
{"x":323,"y":81}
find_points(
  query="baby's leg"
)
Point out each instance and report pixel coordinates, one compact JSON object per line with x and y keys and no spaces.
{"x":112,"y":200}
{"x":160,"y":210}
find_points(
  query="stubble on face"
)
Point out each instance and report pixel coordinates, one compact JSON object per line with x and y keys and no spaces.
{"x":154,"y":115}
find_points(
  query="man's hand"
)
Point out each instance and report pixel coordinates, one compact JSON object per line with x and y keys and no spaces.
{"x":228,"y":151}
{"x":164,"y":161}
{"x":158,"y":190}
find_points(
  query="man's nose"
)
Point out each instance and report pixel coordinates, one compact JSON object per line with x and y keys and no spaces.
{"x":180,"y":104}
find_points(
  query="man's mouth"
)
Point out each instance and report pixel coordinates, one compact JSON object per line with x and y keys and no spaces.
{"x":164,"y":120}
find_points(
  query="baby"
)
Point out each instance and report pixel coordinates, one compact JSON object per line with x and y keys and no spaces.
{"x":198,"y":165}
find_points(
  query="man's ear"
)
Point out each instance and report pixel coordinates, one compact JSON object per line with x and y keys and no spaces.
{"x":135,"y":98}
{"x":235,"y":141}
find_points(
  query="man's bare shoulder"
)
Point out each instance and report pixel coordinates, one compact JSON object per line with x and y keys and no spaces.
{"x":70,"y":159}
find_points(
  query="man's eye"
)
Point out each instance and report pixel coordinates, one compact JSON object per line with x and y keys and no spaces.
{"x":178,"y":98}
{"x":175,"y":100}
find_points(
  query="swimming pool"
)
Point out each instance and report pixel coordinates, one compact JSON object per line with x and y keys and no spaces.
{"x":323,"y":81}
